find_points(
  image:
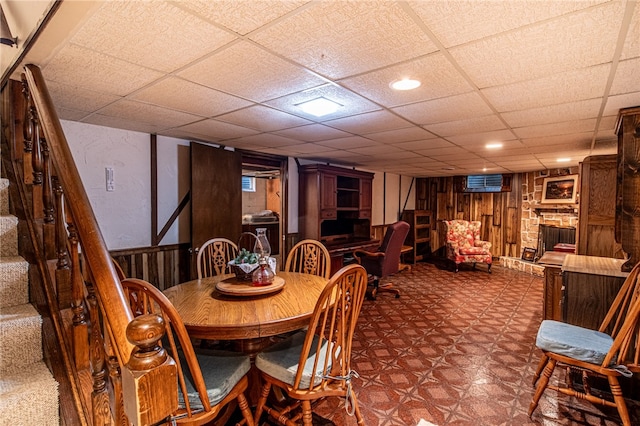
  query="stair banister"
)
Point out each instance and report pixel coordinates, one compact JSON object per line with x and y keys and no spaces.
{"x":116,"y":310}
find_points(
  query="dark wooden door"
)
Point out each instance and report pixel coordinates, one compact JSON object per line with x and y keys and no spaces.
{"x":216,"y":194}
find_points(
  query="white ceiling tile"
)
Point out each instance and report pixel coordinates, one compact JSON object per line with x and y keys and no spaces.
{"x":371,"y":122}
{"x":467,"y":126}
{"x":99,"y":72}
{"x":340,"y":39}
{"x":376,"y":150}
{"x":616,"y":103}
{"x":609,"y":147}
{"x":438,"y":76}
{"x":189,"y":97}
{"x":468,"y":105}
{"x":350,"y":103}
{"x":579,"y":139}
{"x":587,"y":83}
{"x":268,"y":76}
{"x":263,"y":140}
{"x":554,"y":129}
{"x":626,"y":79}
{"x":482,"y":138}
{"x":555,"y":113}
{"x":121,"y":123}
{"x":401,"y":135}
{"x":423,"y":144}
{"x":147,"y":113}
{"x":348,"y":143}
{"x":631,"y":48}
{"x":218,"y":130}
{"x":573,"y":41}
{"x":70,"y":114}
{"x":458,"y":22}
{"x":263,"y":118}
{"x":313,"y":133}
{"x":444,"y":151}
{"x":158,"y":35}
{"x":79,"y":99}
{"x":241,"y":16}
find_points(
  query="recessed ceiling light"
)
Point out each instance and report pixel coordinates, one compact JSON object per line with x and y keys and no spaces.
{"x":493,"y":145}
{"x":563,"y":160}
{"x":319,"y":107}
{"x":405,"y":84}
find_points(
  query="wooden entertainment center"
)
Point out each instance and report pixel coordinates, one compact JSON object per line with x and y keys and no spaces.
{"x":335,"y":208}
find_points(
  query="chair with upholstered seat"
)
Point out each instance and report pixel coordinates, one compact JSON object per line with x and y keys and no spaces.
{"x":463,"y":244}
{"x":214,"y":257}
{"x":316,"y":363}
{"x":611,"y":351}
{"x":385,"y":260}
{"x":309,"y":257}
{"x":208,"y":382}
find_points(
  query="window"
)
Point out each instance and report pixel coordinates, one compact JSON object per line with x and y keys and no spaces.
{"x":483,"y":183}
{"x":248,"y":184}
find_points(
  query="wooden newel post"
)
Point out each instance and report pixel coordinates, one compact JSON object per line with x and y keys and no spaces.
{"x":149,"y":379}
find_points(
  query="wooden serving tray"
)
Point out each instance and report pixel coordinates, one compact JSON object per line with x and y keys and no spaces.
{"x":235,"y":287}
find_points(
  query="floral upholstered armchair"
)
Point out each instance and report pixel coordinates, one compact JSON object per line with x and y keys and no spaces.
{"x":464,"y":243}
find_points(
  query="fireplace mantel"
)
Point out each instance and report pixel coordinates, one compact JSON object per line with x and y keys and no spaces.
{"x":556,"y":210}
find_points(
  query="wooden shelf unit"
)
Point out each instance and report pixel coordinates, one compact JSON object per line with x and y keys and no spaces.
{"x":419,"y":236}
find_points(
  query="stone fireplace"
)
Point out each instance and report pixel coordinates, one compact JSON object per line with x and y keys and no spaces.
{"x":552,"y":216}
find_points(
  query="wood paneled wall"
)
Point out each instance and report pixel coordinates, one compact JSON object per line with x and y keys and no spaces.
{"x":162,"y":266}
{"x":499,"y":212}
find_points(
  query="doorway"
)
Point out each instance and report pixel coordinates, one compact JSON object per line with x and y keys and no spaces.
{"x":264,"y":201}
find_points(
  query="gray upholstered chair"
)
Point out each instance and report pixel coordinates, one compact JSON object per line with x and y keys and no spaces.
{"x":207,"y":381}
{"x":316,"y":363}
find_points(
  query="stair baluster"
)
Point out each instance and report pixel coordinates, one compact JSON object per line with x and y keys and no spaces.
{"x":63,"y":272}
{"x":27,"y":133}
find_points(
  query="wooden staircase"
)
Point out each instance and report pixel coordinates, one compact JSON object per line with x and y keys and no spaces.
{"x":28,"y":391}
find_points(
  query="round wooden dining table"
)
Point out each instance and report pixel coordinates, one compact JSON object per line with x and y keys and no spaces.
{"x":210,"y":314}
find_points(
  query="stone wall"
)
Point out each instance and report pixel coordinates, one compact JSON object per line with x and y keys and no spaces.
{"x":534,"y":213}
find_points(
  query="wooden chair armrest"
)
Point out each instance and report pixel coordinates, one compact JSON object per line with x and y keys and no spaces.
{"x":363,"y":253}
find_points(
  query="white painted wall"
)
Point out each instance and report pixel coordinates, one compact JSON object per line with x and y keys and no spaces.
{"x":124,"y":214}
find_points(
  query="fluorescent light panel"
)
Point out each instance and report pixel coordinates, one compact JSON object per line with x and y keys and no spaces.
{"x":319,"y":107}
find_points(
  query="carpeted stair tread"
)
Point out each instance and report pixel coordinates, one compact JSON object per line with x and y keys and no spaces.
{"x":4,"y":196}
{"x":8,"y":235}
{"x":20,"y":337}
{"x":14,"y":274}
{"x":29,"y":396}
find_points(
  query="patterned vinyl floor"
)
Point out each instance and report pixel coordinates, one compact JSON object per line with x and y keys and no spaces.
{"x":456,"y":349}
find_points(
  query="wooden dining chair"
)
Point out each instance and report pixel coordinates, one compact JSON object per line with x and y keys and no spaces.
{"x":309,"y":257}
{"x":316,"y":363}
{"x":611,"y":351}
{"x":214,"y":256}
{"x":208,"y":381}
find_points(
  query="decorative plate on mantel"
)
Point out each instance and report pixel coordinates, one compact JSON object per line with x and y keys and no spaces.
{"x":236,"y":287}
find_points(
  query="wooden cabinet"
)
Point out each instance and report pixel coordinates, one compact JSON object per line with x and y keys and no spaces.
{"x":419,"y":236}
{"x":596,"y":220}
{"x":335,"y":203}
{"x":628,"y":185}
{"x":591,"y":283}
{"x":552,"y":291}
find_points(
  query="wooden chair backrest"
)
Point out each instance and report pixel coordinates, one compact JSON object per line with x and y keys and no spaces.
{"x":622,"y":322}
{"x":144,"y":299}
{"x":214,"y":256}
{"x":309,"y":257}
{"x":334,"y":320}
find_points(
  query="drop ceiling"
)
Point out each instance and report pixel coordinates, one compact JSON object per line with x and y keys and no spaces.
{"x":544,"y":78}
